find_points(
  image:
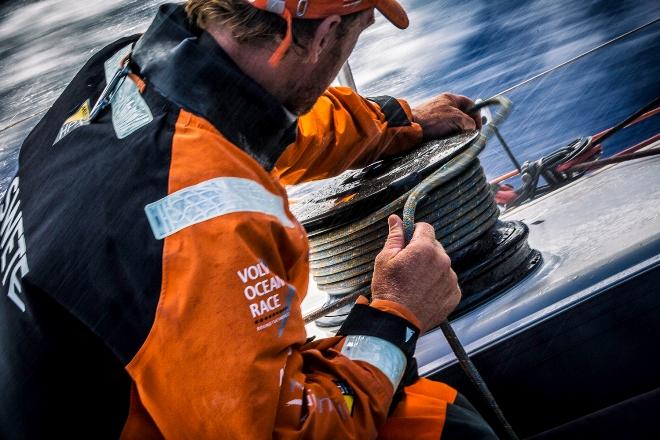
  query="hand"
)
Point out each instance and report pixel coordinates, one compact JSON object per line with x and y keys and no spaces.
{"x":419,"y":275}
{"x":445,"y":115}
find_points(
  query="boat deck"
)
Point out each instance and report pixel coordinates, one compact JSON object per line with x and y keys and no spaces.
{"x":578,"y":334}
{"x":593,"y":233}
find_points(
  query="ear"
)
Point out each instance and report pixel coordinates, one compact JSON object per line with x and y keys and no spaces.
{"x":322,"y":38}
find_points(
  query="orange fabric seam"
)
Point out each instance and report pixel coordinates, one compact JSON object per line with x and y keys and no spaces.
{"x":139,"y":82}
{"x":135,"y":362}
{"x":406,"y":108}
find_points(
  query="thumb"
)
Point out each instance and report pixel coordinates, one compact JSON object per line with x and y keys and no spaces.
{"x":395,"y":238}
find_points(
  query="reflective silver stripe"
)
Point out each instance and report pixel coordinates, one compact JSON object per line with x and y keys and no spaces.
{"x":209,"y":199}
{"x":275,"y":6}
{"x":380,"y":353}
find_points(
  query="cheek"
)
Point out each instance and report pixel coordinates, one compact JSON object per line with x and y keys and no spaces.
{"x":349,"y":44}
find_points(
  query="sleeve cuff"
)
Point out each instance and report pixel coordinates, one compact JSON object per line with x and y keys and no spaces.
{"x":407,"y":109}
{"x":397,"y":309}
{"x":370,"y":321}
{"x":417,"y":129}
{"x":394,"y":111}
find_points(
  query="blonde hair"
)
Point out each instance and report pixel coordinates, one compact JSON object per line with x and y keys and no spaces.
{"x":251,"y":25}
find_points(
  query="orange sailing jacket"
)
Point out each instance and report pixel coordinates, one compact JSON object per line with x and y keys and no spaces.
{"x":151,"y":251}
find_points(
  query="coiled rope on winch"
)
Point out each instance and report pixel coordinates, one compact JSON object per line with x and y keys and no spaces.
{"x":459,"y":211}
{"x":442,"y":175}
{"x":457,"y":201}
{"x":461,"y":208}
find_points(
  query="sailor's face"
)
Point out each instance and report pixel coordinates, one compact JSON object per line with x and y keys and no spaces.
{"x":323,"y":72}
{"x":348,"y":41}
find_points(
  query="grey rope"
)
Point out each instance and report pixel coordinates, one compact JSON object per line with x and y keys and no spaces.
{"x":409,"y":202}
{"x":452,"y":168}
{"x":442,"y":175}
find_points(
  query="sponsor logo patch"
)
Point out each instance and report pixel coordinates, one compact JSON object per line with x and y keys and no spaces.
{"x":262,"y":290}
{"x":13,"y":252}
{"x":76,"y":120}
{"x":348,"y":393}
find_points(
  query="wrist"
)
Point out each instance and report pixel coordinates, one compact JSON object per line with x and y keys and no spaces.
{"x":417,"y":117}
{"x":370,"y":321}
{"x":394,"y":307}
{"x":382,"y":354}
{"x":385,"y":340}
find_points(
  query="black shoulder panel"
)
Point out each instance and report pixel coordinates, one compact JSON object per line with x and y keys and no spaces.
{"x":77,"y":235}
{"x":89,"y":242}
{"x":58,"y":379}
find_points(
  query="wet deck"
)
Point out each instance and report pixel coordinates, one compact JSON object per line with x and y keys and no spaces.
{"x":592,"y":233}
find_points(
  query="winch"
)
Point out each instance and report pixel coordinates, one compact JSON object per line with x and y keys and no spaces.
{"x":346,"y":223}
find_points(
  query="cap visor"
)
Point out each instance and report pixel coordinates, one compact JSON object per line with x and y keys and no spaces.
{"x":394,"y":12}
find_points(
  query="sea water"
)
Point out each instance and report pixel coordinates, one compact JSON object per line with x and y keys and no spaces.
{"x":473,"y":47}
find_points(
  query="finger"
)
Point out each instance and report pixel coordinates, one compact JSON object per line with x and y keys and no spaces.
{"x":453,"y":278}
{"x":477,"y":118}
{"x":463,"y":103}
{"x":423,"y":232}
{"x":442,"y":261}
{"x":463,"y":122}
{"x":469,"y":123}
{"x":395,"y":238}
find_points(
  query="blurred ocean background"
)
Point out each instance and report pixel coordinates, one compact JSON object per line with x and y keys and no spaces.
{"x":473,"y":47}
{"x":480,"y":48}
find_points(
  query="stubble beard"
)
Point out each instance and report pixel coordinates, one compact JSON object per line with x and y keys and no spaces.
{"x":307,"y":90}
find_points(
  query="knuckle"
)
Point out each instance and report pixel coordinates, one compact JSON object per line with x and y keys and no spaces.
{"x":444,"y":261}
{"x":465,"y":99}
{"x":456,"y":299}
{"x":380,"y":261}
{"x":425,"y":227}
{"x":430,"y":250}
{"x":448,"y":97}
{"x":421,"y":251}
{"x":458,"y":295}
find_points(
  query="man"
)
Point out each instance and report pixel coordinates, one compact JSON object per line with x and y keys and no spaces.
{"x":153,"y":273}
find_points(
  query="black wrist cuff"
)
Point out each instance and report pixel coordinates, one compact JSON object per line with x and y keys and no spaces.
{"x":369,"y":321}
{"x":395,"y":115}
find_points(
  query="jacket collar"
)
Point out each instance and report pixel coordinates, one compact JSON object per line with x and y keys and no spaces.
{"x":189,"y":68}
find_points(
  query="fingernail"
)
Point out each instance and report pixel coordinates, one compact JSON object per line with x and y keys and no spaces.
{"x":391,"y":222}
